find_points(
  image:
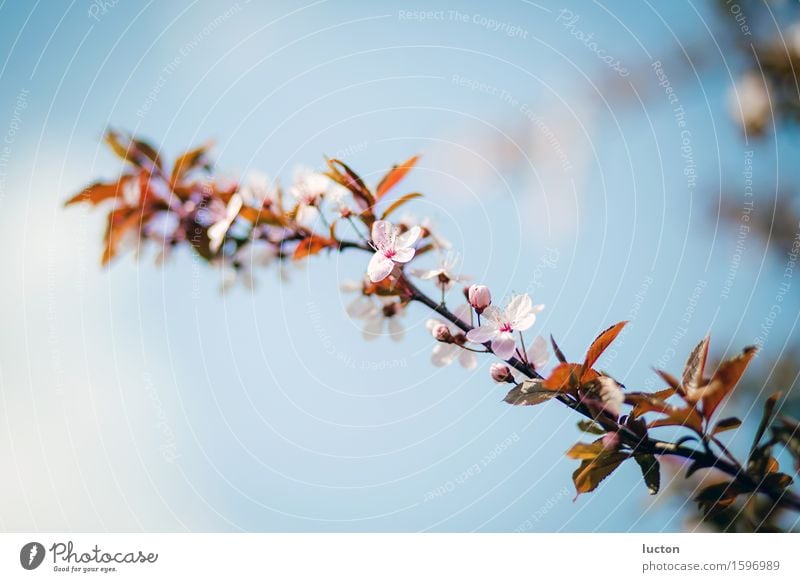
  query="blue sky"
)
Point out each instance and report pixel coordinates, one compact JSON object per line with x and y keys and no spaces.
{"x":139,"y":398}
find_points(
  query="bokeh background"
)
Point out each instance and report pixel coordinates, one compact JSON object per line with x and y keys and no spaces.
{"x":587,"y":153}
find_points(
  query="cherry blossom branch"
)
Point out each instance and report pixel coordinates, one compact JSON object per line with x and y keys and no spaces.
{"x":637,"y":443}
{"x":232,"y":225}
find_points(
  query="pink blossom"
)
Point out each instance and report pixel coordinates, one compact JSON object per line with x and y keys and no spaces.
{"x":479,"y":297}
{"x":499,"y":325}
{"x":500,"y":373}
{"x":390,"y":247}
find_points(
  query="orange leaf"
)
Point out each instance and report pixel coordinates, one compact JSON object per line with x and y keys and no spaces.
{"x":393,"y":176}
{"x":311,"y":245}
{"x":644,"y":402}
{"x":398,"y":203}
{"x":724,"y":380}
{"x":562,"y":377}
{"x":189,"y":161}
{"x":131,"y":150}
{"x":119,"y":223}
{"x":99,"y":192}
{"x":687,"y":417}
{"x":602,"y":342}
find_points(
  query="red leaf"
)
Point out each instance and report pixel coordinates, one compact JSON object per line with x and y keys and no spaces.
{"x":99,"y":192}
{"x":311,"y":245}
{"x":602,"y":342}
{"x":393,"y":176}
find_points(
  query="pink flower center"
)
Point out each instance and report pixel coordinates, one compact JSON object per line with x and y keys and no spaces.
{"x":389,"y":253}
{"x":506,"y":328}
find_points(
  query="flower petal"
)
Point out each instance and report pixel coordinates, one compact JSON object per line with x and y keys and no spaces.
{"x":467,"y":359}
{"x":382,"y":234}
{"x":443,"y":354}
{"x":538,"y":354}
{"x":360,"y":307}
{"x":494,"y":315}
{"x":482,"y":334}
{"x":518,"y":307}
{"x":307,"y":215}
{"x":396,"y":330}
{"x":408,"y":238}
{"x":463,"y":312}
{"x":403,"y":255}
{"x":379,"y":267}
{"x":373,"y":327}
{"x":503,"y":345}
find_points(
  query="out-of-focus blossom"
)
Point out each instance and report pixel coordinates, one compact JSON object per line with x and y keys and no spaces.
{"x":749,"y":103}
{"x":479,"y":297}
{"x":444,"y":275}
{"x":384,"y":318}
{"x":308,"y":189}
{"x":390,"y":247}
{"x":257,"y":191}
{"x":428,"y":230}
{"x":218,"y":230}
{"x":499,"y":325}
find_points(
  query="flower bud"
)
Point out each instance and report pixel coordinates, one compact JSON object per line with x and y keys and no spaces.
{"x":479,"y":297}
{"x":500,"y":373}
{"x":441,"y":333}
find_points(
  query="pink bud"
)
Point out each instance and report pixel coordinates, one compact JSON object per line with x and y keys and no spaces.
{"x":441,"y":333}
{"x":479,"y":297}
{"x":500,"y":373}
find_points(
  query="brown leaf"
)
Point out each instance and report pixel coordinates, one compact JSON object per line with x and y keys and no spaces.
{"x":583,"y":451}
{"x":674,"y":416}
{"x":724,"y":380}
{"x":529,"y":393}
{"x":644,"y":402}
{"x":557,"y":351}
{"x":398,"y":203}
{"x":651,"y":471}
{"x":590,"y":427}
{"x":601,"y":343}
{"x":671,"y":380}
{"x":393,"y":176}
{"x":726,"y":424}
{"x":134,"y":151}
{"x":120,"y":221}
{"x":99,"y":192}
{"x":343,"y":175}
{"x":189,"y":161}
{"x":311,"y":245}
{"x":591,"y":472}
{"x":692,"y":377}
{"x":718,"y":496}
{"x":564,"y":377}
